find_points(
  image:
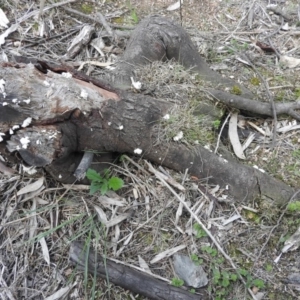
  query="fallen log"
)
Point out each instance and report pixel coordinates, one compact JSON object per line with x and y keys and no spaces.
{"x":65,"y":113}
{"x":130,"y":279}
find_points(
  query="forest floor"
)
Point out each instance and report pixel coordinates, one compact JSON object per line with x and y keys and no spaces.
{"x":40,"y":217}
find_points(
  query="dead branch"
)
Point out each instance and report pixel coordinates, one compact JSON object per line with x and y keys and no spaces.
{"x":136,"y":281}
{"x":255,"y":107}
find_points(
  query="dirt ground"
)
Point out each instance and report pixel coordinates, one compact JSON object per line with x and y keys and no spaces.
{"x":39,"y":223}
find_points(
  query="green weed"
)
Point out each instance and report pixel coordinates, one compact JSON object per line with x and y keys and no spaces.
{"x":103,"y":183}
{"x":133,"y":14}
{"x":200,"y":232}
{"x":216,"y":124}
{"x":236,"y":90}
{"x":177,"y":282}
{"x":198,"y":261}
{"x":223,"y":279}
{"x":87,"y":9}
{"x":294,"y":206}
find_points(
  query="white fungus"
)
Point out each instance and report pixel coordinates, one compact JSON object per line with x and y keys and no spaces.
{"x":166,"y":117}
{"x":178,"y":137}
{"x":29,"y":170}
{"x":84,"y":94}
{"x":2,"y":84}
{"x":27,"y":101}
{"x":136,"y":84}
{"x":66,"y":75}
{"x":25,"y":142}
{"x":138,"y":151}
{"x":26,"y":122}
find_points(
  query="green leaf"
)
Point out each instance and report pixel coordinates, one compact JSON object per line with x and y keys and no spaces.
{"x":233,"y":277}
{"x":214,"y":252}
{"x":225,"y":274}
{"x":177,"y":282}
{"x":219,"y":260}
{"x":194,"y":257}
{"x":294,"y":206}
{"x":95,"y":186}
{"x":269,"y":267}
{"x":217,"y":275}
{"x":225,"y":282}
{"x":258,"y":283}
{"x":200,"y":232}
{"x":243,"y":272}
{"x":93,"y":175}
{"x":104,"y":187}
{"x":115,"y":183}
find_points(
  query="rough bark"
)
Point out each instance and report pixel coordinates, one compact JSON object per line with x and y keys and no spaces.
{"x":64,"y":124}
{"x":131,"y":279}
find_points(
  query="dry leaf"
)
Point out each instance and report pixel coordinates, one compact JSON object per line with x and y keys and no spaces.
{"x":7,"y":32}
{"x":126,"y":242}
{"x":175,"y":6}
{"x":31,"y":187}
{"x":60,"y":293}
{"x":6,"y":170}
{"x":3,"y":19}
{"x":117,"y":220}
{"x":292,"y":243}
{"x":45,"y":250}
{"x":234,"y":138}
{"x":143,"y":264}
{"x":33,"y":224}
{"x":101,"y":214}
{"x":166,"y":253}
{"x":107,"y":201}
{"x":179,"y":211}
{"x":248,"y":141}
{"x":115,"y":239}
{"x":289,"y":62}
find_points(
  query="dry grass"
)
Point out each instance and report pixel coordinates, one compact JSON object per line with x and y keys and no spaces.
{"x":38,"y":225}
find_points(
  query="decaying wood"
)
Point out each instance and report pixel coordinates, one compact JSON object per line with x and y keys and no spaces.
{"x":84,"y":165}
{"x":72,"y":115}
{"x":136,"y":281}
